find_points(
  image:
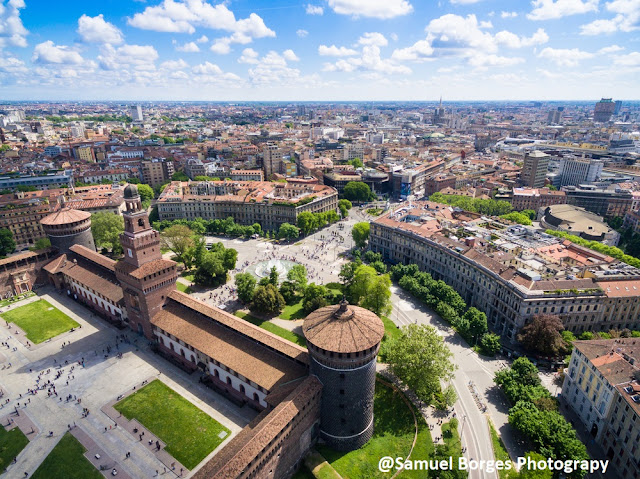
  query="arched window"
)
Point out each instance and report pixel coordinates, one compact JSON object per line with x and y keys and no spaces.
{"x":193,"y":359}
{"x":216,"y":373}
{"x":242,"y":390}
{"x":228,"y":380}
{"x":182,"y":352}
{"x":140,"y":222}
{"x":256,"y":398}
{"x":171,"y":346}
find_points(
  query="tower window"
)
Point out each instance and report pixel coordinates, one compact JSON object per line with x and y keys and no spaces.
{"x":140,"y":222}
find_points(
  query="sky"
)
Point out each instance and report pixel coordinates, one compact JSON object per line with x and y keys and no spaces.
{"x":346,"y":50}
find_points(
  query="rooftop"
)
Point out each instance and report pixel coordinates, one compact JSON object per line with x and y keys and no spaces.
{"x":65,"y":216}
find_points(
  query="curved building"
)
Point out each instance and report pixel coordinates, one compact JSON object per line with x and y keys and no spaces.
{"x":579,"y":222}
{"x":343,"y":343}
{"x":67,"y":227}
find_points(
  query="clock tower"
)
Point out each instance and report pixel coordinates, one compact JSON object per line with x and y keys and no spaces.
{"x":145,"y":277}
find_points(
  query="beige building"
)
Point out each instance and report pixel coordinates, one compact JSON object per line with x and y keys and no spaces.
{"x":534,"y":171}
{"x":156,"y":172}
{"x":601,"y":386}
{"x":248,"y":202}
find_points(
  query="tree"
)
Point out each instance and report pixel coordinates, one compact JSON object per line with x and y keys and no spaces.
{"x":7,"y":243}
{"x":213,"y":268}
{"x":145,"y":192}
{"x":542,"y":335}
{"x":362,"y":280}
{"x":179,"y":239}
{"x":307,"y":222}
{"x":490,"y":344}
{"x":288,"y":231}
{"x":534,"y":473}
{"x":42,"y":243}
{"x":420,"y":358}
{"x":360,"y":233}
{"x":267,"y":299}
{"x":297,"y":275}
{"x":347,"y":272}
{"x":179,"y":176}
{"x":519,"y":218}
{"x":477,"y":323}
{"x":356,"y":163}
{"x":358,"y":191}
{"x":246,"y":285}
{"x":274,"y":277}
{"x":344,"y":206}
{"x":315,"y":296}
{"x":378,"y":297}
{"x":106,"y":229}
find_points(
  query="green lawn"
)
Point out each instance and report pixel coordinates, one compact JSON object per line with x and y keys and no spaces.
{"x":266,"y":325}
{"x":66,"y":461}
{"x":11,"y":443}
{"x":40,"y":321}
{"x":188,"y":275}
{"x":189,"y":433}
{"x":501,"y":454}
{"x":183,"y":287}
{"x":451,"y":447}
{"x":13,"y":299}
{"x":391,"y":331}
{"x":393,"y":435}
{"x":293,"y":311}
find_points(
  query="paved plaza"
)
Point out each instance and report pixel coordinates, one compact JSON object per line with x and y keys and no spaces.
{"x":86,"y":370}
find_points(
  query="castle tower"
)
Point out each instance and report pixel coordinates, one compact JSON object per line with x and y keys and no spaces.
{"x":343,"y":343}
{"x":67,"y":227}
{"x":145,"y":277}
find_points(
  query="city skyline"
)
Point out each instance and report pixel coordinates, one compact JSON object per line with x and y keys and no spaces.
{"x":329,"y":50}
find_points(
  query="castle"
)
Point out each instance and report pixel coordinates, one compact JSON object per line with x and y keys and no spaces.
{"x":303,"y":395}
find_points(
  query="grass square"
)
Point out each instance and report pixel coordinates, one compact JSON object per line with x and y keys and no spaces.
{"x":67,"y":461}
{"x":189,"y":433}
{"x":40,"y":320}
{"x":274,"y":328}
{"x":11,"y":443}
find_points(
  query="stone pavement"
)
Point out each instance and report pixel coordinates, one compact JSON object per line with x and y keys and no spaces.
{"x":97,"y":456}
{"x":101,"y":379}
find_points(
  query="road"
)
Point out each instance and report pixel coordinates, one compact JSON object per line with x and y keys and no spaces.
{"x":474,"y":428}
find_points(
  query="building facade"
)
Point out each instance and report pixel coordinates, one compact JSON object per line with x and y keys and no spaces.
{"x":534,"y":171}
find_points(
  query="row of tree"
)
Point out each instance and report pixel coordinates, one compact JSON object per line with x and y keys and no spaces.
{"x":476,"y":205}
{"x":535,"y":414}
{"x":444,"y":300}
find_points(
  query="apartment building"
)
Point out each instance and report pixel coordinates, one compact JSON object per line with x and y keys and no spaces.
{"x":248,"y":202}
{"x":156,"y":172}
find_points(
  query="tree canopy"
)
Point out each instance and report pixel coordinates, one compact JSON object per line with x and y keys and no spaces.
{"x":421,"y":359}
{"x":543,"y":335}
{"x":7,"y":243}
{"x":267,"y":299}
{"x":360,"y":233}
{"x":212,"y":269}
{"x":106,"y":229}
{"x":246,"y":285}
{"x":180,"y":240}
{"x":358,"y":191}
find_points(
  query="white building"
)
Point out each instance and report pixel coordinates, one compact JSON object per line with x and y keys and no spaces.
{"x":135,"y":112}
{"x":579,"y":171}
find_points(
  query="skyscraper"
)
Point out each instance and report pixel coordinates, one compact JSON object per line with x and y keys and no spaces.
{"x":136,"y":112}
{"x":603,"y":110}
{"x":534,"y":171}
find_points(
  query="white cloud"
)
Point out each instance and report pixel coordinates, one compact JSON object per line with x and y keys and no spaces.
{"x":221,"y":46}
{"x":334,"y":51}
{"x":511,"y":40}
{"x":48,"y":52}
{"x":97,"y":30}
{"x":12,"y":31}
{"x":610,"y":49}
{"x":369,"y":61}
{"x":249,"y":55}
{"x":208,"y":72}
{"x":302,"y":33}
{"x":419,"y":51}
{"x":626,"y":20}
{"x":553,"y":9}
{"x":485,"y":24}
{"x":174,"y":64}
{"x":138,"y":57}
{"x":453,"y":32}
{"x":314,"y":9}
{"x":492,"y":60}
{"x":12,"y":65}
{"x":508,"y":14}
{"x":564,"y":57}
{"x":185,"y":16}
{"x":464,"y":2}
{"x":290,"y":56}
{"x":630,"y":60}
{"x":382,"y":9}
{"x":373,"y":38}
{"x":273,"y":68}
{"x":202,"y":39}
{"x":190,"y":47}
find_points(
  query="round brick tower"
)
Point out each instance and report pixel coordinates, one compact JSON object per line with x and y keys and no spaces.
{"x":343,"y":342}
{"x":67,"y":227}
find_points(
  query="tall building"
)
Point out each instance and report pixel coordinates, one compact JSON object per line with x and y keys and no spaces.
{"x":603,"y":110}
{"x":580,"y":171}
{"x":272,"y":161}
{"x":534,"y":171}
{"x":135,"y":112}
{"x":146,"y":278}
{"x":554,"y":117}
{"x":343,"y":343}
{"x":616,"y":110}
{"x":155,"y":172}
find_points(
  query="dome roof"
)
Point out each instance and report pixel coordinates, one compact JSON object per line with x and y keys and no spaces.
{"x":130,"y":191}
{"x":65,"y":216}
{"x":343,"y":328}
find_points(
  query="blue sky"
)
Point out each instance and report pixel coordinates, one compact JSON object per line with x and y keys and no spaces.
{"x":322,"y":50}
